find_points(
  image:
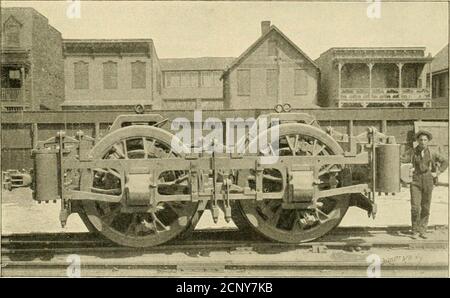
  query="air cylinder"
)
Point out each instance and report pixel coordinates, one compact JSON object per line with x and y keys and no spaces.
{"x":46,"y":181}
{"x":387,"y":168}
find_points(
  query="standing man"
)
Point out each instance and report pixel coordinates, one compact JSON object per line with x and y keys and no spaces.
{"x":426,"y":168}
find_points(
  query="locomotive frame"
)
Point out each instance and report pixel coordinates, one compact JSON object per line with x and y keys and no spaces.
{"x":300,"y":183}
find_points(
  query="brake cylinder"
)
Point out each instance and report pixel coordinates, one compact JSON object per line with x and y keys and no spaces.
{"x":46,"y":177}
{"x":387,"y":168}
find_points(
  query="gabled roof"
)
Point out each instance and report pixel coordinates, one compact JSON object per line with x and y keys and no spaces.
{"x":440,"y":61}
{"x":263,"y":37}
{"x":202,"y":63}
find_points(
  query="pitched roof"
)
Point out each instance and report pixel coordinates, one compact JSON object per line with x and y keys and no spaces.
{"x":440,"y":61}
{"x":244,"y":55}
{"x":202,"y":63}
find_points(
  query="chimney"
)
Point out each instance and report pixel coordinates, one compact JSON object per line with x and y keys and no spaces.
{"x":265,"y":27}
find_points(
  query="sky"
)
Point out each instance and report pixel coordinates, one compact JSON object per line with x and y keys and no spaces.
{"x":226,"y":29}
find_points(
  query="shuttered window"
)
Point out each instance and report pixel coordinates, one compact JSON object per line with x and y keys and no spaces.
{"x":81,"y":75}
{"x":271,"y":82}
{"x":138,"y":75}
{"x":243,"y":82}
{"x":110,"y":75}
{"x":301,"y":82}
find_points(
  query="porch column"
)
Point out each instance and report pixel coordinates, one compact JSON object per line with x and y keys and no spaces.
{"x":340,"y":65}
{"x":400,"y":66}
{"x":431,"y":80}
{"x":370,"y":65}
{"x":22,"y":84}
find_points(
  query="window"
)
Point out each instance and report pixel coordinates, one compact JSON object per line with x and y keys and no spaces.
{"x":10,"y":77}
{"x":189,"y":79}
{"x":443,"y":88}
{"x":301,"y":82}
{"x":243,"y":82}
{"x":138,"y":75}
{"x":81,"y":75}
{"x":12,"y":32}
{"x":158,"y":83}
{"x":271,"y":82}
{"x":171,"y":79}
{"x":273,"y":48}
{"x":436,"y":87}
{"x":110,"y":75}
{"x":210,"y":78}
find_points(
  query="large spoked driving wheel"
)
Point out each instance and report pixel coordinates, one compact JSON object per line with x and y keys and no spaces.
{"x":298,"y":225}
{"x":160,"y":223}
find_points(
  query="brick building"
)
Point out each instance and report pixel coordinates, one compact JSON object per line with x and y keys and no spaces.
{"x":439,"y":77}
{"x":272,"y":70}
{"x":111,"y":74}
{"x":374,"y":76}
{"x":31,"y":65}
{"x":193,"y":83}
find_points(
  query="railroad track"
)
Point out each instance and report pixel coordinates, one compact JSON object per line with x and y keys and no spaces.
{"x":231,"y":253}
{"x":345,"y":238}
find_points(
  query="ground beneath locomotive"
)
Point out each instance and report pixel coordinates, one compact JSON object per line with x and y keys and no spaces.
{"x":20,"y":214}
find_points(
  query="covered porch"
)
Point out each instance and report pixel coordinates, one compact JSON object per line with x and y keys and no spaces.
{"x":384,"y":82}
{"x":14,"y":69}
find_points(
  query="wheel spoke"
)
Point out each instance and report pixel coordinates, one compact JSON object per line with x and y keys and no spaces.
{"x":327,"y":169}
{"x":132,"y":225}
{"x":292,"y":147}
{"x":268,"y":207}
{"x":296,"y":226}
{"x":119,"y":151}
{"x":323,"y":214}
{"x":275,"y":217}
{"x":317,"y":152}
{"x":157,"y":221}
{"x":145,"y":146}
{"x":125,"y":150}
{"x":174,"y":209}
{"x":109,"y":217}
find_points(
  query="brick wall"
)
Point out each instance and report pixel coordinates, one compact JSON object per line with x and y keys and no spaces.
{"x":47,"y":68}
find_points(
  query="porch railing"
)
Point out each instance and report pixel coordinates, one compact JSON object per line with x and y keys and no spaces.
{"x":373,"y":94}
{"x":11,"y":94}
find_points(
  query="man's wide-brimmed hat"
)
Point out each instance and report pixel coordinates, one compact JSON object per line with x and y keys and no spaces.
{"x":423,"y":132}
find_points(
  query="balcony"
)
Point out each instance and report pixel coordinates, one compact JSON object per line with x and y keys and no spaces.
{"x":372,"y":96}
{"x":11,"y":94}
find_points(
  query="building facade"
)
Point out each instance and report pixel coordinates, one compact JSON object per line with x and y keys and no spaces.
{"x":439,"y":78}
{"x":111,"y":74}
{"x":31,"y":65}
{"x":374,"y":76}
{"x":271,"y":71}
{"x":193,"y":83}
